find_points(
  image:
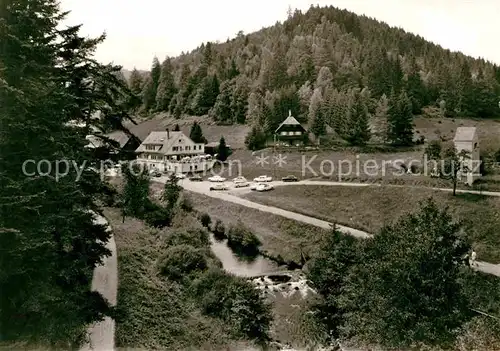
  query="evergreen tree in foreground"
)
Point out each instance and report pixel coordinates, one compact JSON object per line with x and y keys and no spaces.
{"x":49,"y":244}
{"x":407,"y":289}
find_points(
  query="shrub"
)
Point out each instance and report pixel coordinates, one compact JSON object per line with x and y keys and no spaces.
{"x":434,"y":149}
{"x":194,"y":237}
{"x":185,"y":203}
{"x":235,"y":301}
{"x":242,"y":239}
{"x":157,"y":216}
{"x":205,"y":220}
{"x":219,"y":229}
{"x":181,"y":261}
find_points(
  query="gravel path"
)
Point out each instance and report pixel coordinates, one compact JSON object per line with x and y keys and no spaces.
{"x":105,"y":281}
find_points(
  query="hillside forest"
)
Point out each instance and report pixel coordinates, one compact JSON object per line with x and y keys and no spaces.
{"x":330,"y":68}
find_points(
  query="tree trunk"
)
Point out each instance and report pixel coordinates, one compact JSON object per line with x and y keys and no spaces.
{"x":455,"y":186}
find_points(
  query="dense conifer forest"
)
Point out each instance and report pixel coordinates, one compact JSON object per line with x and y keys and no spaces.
{"x":329,"y":67}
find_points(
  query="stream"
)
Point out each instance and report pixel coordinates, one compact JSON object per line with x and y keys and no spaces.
{"x":240,"y":266}
{"x":286,"y":285}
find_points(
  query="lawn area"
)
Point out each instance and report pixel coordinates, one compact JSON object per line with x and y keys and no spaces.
{"x":279,"y":236}
{"x":369,"y":208}
{"x":157,"y":314}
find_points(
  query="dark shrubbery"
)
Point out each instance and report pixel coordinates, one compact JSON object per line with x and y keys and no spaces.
{"x":235,"y":301}
{"x":197,"y":238}
{"x":157,"y":216}
{"x":185,"y":203}
{"x":205,"y":220}
{"x":241,"y":238}
{"x":182,"y":260}
{"x":219,"y":230}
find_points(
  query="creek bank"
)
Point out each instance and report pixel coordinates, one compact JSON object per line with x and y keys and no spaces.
{"x":262,"y":271}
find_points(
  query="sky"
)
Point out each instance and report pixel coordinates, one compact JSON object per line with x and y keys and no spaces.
{"x":139,"y":30}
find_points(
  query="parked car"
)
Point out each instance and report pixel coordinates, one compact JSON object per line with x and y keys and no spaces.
{"x":220,"y":186}
{"x":196,"y":178}
{"x":264,"y":187}
{"x":180,"y":176}
{"x":254,"y":186}
{"x":263,"y":178}
{"x":241,"y":184}
{"x":290,"y":178}
{"x":155,"y":173}
{"x":239,"y":179}
{"x":216,"y":178}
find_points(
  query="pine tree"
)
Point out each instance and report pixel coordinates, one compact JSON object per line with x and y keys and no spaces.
{"x":400,"y":120}
{"x":221,"y":112}
{"x":135,"y":191}
{"x":359,"y":130}
{"x":222,"y":150}
{"x":196,"y":134}
{"x":50,"y":244}
{"x":136,"y":82}
{"x":316,"y":119}
{"x":155,"y":74}
{"x":239,"y":100}
{"x":256,"y":138}
{"x":415,"y":88}
{"x":381,"y":119}
{"x":148,"y":95}
{"x":166,"y":87}
{"x":206,"y":95}
{"x":233,"y":70}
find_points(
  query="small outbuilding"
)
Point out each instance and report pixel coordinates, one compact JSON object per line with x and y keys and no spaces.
{"x":466,"y":139}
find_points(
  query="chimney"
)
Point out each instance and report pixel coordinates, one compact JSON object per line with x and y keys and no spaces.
{"x":168,"y":134}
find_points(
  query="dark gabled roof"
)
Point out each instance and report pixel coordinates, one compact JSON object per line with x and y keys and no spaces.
{"x":289,"y":121}
{"x":119,"y":136}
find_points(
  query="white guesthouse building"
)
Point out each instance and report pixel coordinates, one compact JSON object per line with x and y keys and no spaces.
{"x":466,"y":139}
{"x":174,"y":152}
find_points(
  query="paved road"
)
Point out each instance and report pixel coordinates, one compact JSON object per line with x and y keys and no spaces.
{"x":232,"y":196}
{"x":105,"y":281}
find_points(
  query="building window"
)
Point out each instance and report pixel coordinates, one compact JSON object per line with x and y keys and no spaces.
{"x":298,"y":133}
{"x":188,"y":148}
{"x":475,"y":145}
{"x":180,"y":140}
{"x":283,"y":133}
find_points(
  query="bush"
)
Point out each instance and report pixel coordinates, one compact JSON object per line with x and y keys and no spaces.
{"x":219,"y":229}
{"x":185,"y":203}
{"x":235,"y":301}
{"x":194,"y":237}
{"x":242,"y":239}
{"x":181,"y":261}
{"x":205,"y":220}
{"x":157,"y":216}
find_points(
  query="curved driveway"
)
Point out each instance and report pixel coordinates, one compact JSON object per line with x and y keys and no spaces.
{"x":232,"y":196}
